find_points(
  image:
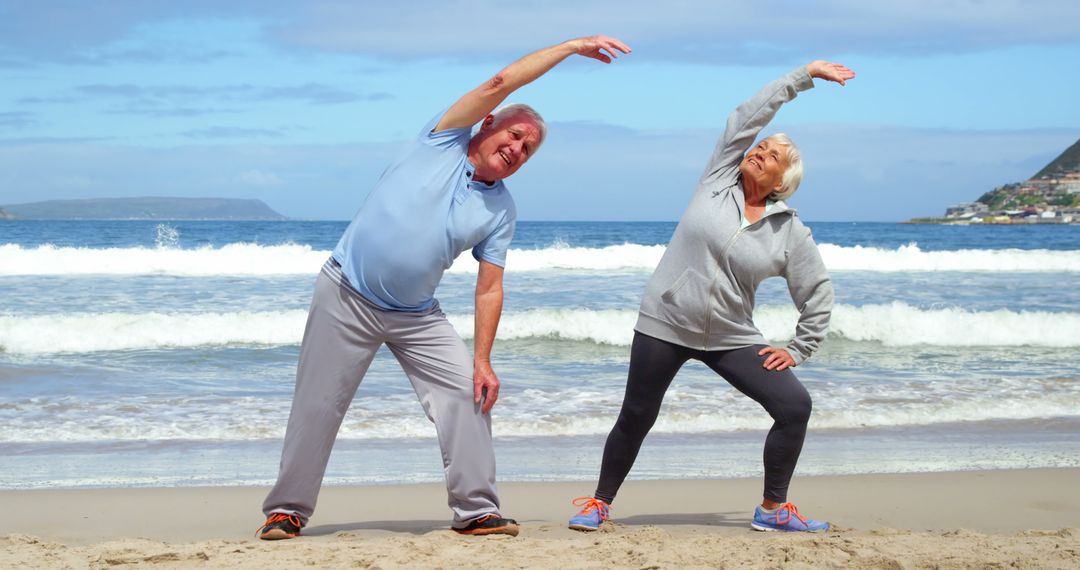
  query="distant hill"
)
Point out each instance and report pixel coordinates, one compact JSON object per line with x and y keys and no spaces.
{"x":1056,"y":186}
{"x":1068,"y":161}
{"x":149,"y":208}
{"x":1052,"y":196}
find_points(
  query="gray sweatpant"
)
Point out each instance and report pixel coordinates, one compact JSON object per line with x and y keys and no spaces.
{"x":343,"y":332}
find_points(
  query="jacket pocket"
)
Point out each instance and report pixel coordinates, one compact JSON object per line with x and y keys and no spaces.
{"x":684,"y":303}
{"x":668,"y":295}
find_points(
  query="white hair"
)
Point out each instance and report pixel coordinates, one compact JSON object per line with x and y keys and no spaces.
{"x":523,"y":109}
{"x":794,"y":173}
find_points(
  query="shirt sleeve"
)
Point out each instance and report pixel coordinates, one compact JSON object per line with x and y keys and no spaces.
{"x":493,"y":248}
{"x":445,"y":138}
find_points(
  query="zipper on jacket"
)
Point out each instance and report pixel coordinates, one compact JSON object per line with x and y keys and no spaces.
{"x":712,"y":286}
{"x":723,"y":257}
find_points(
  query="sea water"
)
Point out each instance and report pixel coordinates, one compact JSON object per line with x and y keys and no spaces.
{"x":138,"y":353}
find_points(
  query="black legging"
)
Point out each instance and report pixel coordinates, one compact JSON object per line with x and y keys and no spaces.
{"x":653,"y":364}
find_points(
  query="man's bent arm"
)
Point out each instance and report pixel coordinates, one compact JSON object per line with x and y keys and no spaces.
{"x":489,"y":301}
{"x":477,"y":104}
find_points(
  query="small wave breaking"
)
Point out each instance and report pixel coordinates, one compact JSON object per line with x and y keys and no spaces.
{"x":895,"y":324}
{"x":560,"y":413}
{"x":293,"y":259}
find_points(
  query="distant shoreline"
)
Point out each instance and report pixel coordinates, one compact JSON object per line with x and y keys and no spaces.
{"x":143,"y":209}
{"x":955,"y":222}
{"x":160,"y":220}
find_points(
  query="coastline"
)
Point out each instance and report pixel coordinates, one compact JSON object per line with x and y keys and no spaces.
{"x":962,"y":222}
{"x":898,"y":520}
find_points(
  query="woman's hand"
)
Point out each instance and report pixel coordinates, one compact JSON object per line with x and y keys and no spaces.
{"x":829,"y":71}
{"x":778,"y":359}
{"x":594,"y":47}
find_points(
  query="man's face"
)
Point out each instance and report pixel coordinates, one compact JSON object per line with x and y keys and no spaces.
{"x":765,"y":165}
{"x":499,"y":149}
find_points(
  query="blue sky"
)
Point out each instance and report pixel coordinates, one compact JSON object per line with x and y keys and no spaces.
{"x":302,"y":104}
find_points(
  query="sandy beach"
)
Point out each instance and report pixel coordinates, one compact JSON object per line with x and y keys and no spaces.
{"x":1015,"y":518}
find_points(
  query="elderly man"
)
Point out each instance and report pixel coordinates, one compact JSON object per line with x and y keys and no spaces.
{"x":444,"y":194}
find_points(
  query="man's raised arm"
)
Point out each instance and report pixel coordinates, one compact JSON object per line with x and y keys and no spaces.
{"x":477,"y":104}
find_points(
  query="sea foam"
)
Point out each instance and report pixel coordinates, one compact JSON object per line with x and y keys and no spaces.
{"x":894,"y":324}
{"x":703,"y":407}
{"x":291,"y":259}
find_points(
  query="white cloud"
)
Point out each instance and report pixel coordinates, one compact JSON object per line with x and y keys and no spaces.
{"x":715,"y":31}
{"x":584,"y":172}
{"x":728,"y":31}
{"x":73,"y":181}
{"x":853,"y":172}
{"x":260,"y":179}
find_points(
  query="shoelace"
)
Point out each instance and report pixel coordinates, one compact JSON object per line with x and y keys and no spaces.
{"x":590,"y":504}
{"x":278,"y":517}
{"x":791,"y":511}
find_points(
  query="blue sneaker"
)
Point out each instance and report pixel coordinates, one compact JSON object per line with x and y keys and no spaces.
{"x":593,"y":513}
{"x":786,"y":519}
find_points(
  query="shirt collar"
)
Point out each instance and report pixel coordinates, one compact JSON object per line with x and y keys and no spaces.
{"x":470,"y":172}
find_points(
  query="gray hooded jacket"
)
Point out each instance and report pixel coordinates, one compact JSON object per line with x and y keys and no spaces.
{"x":702,"y":293}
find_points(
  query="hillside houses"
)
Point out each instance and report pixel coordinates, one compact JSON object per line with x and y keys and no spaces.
{"x":1052,"y":196}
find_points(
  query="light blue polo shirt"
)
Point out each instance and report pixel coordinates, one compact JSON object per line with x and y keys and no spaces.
{"x":423,"y":212}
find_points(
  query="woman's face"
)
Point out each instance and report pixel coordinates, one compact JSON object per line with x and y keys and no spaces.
{"x":764,"y":165}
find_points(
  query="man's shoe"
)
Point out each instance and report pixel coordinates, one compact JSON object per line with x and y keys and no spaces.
{"x":490,"y":524}
{"x":280,"y":526}
{"x":786,"y":519}
{"x":593,"y":513}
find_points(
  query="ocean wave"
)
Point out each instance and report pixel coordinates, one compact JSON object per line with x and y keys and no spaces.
{"x":911,"y":258}
{"x":292,"y":259}
{"x":94,"y":332}
{"x":895,"y":324}
{"x":231,"y":259}
{"x":632,"y":257}
{"x":709,"y":408}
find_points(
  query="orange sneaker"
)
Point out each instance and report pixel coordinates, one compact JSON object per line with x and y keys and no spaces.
{"x":490,"y":524}
{"x":280,"y":526}
{"x":593,"y":514}
{"x":785,"y":518}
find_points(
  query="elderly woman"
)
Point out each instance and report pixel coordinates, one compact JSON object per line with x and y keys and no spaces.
{"x":736,"y":232}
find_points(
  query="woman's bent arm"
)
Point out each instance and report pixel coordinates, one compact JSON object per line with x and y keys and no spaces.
{"x":811,"y":290}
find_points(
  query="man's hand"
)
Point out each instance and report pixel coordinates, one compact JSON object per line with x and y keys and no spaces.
{"x":485,"y":385}
{"x":778,"y":359}
{"x":477,"y":104}
{"x":595,"y":46}
{"x":829,"y":71}
{"x":489,"y":299}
